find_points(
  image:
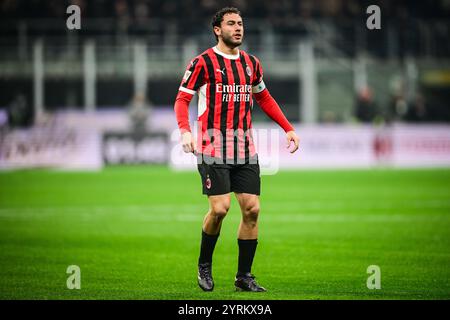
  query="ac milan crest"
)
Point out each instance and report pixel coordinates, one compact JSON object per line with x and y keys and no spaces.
{"x":249,"y":71}
{"x":208,"y":183}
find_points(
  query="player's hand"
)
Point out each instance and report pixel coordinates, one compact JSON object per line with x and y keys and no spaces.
{"x":292,"y":136}
{"x":188,"y":142}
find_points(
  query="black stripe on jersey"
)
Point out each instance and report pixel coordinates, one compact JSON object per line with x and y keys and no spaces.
{"x":224,"y":109}
{"x":258,"y":73}
{"x":212,"y":94}
{"x":253,"y":60}
{"x":200,"y":79}
{"x":237,"y":108}
{"x":192,"y":76}
{"x":247,"y":109}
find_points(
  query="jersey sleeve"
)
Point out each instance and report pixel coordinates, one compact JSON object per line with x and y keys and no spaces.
{"x":258,"y":83}
{"x":194,"y":76}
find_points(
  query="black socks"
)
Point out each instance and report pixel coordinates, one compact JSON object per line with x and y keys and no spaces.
{"x":207,"y":247}
{"x":247,"y":249}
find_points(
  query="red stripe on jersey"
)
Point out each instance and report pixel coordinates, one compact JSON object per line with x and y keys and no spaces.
{"x":193,"y":77}
{"x":242,"y":110}
{"x":218,"y":140}
{"x":229,"y":120}
{"x":203,"y":137}
{"x":207,"y":147}
{"x":196,"y":81}
{"x":251,"y":147}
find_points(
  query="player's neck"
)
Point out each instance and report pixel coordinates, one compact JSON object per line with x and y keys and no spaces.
{"x":222,"y":47}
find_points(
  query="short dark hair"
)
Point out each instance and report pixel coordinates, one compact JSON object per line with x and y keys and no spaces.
{"x":218,"y":17}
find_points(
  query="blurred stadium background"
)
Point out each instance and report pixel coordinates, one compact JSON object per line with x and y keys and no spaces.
{"x":101,"y":99}
{"x":120,"y":73}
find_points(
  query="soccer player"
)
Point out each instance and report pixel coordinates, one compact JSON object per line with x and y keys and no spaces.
{"x":226,"y":80}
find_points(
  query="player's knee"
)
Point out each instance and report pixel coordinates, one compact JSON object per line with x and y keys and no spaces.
{"x":251,"y":212}
{"x":220,"y":210}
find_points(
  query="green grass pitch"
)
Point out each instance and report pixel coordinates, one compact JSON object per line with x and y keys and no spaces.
{"x":135,"y":234}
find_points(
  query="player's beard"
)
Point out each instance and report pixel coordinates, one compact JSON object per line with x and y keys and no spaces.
{"x":230,"y":42}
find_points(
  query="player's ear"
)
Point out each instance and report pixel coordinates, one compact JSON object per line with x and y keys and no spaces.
{"x":217,"y":31}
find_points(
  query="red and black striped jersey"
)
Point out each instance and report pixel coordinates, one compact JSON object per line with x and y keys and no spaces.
{"x":224,"y":84}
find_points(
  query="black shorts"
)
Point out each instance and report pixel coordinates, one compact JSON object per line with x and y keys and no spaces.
{"x":225,"y":178}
